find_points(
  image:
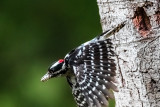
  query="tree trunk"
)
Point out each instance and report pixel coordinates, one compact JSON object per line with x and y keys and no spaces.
{"x":137,"y":46}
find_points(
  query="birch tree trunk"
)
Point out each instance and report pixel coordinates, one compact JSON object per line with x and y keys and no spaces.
{"x":137,"y":46}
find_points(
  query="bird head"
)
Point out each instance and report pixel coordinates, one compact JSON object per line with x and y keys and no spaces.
{"x":55,"y":70}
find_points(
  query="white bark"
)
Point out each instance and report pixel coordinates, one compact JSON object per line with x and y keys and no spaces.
{"x":138,"y":50}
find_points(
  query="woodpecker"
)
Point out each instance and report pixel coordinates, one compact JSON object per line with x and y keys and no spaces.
{"x":89,"y":70}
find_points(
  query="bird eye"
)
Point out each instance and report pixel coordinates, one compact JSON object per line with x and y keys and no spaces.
{"x":49,"y":70}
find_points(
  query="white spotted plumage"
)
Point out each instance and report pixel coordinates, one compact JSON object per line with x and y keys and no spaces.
{"x":90,"y":70}
{"x":97,"y":67}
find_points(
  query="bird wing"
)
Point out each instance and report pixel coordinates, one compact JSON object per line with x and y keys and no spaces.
{"x":94,"y":68}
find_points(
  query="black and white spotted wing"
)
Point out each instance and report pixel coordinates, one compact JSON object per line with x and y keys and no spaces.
{"x":94,"y":68}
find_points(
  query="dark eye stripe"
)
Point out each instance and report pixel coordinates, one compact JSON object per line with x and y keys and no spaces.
{"x":56,"y":68}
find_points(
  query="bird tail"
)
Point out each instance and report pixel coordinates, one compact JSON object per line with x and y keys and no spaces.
{"x":112,"y":31}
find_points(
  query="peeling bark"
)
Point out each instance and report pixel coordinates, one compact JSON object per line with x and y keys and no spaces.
{"x":141,"y":21}
{"x":157,"y":17}
{"x":138,"y":50}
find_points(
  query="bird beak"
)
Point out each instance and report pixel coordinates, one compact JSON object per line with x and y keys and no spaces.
{"x":46,"y":77}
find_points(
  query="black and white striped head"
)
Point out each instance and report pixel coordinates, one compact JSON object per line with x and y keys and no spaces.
{"x":55,"y":70}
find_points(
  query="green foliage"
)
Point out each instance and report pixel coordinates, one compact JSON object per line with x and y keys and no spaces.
{"x":33,"y":33}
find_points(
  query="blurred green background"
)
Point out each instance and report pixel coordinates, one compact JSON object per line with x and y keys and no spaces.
{"x":33,"y":34}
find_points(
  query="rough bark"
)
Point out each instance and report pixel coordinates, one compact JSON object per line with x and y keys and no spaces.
{"x":138,"y":50}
